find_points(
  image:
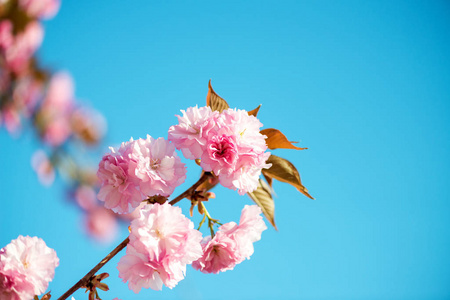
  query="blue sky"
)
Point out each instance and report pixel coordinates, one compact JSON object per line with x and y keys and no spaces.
{"x":363,"y":84}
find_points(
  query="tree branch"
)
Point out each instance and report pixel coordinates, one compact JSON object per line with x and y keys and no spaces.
{"x":190,"y":190}
{"x":83,"y":281}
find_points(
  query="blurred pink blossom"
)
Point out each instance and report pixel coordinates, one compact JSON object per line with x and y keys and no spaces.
{"x":86,"y":197}
{"x":26,"y":95}
{"x":27,"y":265}
{"x":45,"y":9}
{"x":88,"y":124}
{"x":6,"y":36}
{"x":54,"y":114}
{"x":43,"y":167}
{"x":10,"y":117}
{"x":101,"y":224}
{"x":162,"y":242}
{"x":5,"y":81}
{"x":18,"y":50}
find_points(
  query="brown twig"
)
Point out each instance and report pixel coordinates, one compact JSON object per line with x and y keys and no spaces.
{"x":190,"y":190}
{"x":83,"y":281}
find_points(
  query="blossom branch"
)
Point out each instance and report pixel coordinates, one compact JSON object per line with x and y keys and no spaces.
{"x":83,"y":281}
{"x":192,"y":189}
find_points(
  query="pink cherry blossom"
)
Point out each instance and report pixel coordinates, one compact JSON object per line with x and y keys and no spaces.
{"x":156,"y":165}
{"x":220,"y":254}
{"x":191,"y":134}
{"x":236,"y":151}
{"x":221,"y":154}
{"x":251,"y":225}
{"x":27,"y":265}
{"x":14,"y":285}
{"x":142,"y":268}
{"x":118,"y":189}
{"x":251,"y":222}
{"x":162,"y":242}
{"x":229,"y":144}
{"x":45,"y":9}
{"x":232,"y":243}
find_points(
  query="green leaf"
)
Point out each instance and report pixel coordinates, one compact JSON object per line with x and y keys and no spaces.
{"x":215,"y":101}
{"x":262,"y":196}
{"x":276,"y":139}
{"x":285,"y":171}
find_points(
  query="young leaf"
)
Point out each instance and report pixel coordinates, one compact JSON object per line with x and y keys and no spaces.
{"x":285,"y":171}
{"x":255,"y":111}
{"x":215,"y":101}
{"x":275,"y":139}
{"x":262,"y":196}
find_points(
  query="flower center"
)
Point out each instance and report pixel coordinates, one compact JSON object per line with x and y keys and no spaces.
{"x":25,"y":264}
{"x":223,"y":148}
{"x":154,"y":163}
{"x":159,"y":234}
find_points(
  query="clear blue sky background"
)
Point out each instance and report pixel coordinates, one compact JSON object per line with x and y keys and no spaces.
{"x":365,"y":85}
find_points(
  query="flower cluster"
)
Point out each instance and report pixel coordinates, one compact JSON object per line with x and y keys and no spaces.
{"x":27,"y":265}
{"x":139,"y":169}
{"x":228,"y":143}
{"x":162,"y":242}
{"x":233,"y":243}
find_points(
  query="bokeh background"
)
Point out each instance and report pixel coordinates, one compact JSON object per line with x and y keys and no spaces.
{"x":365,"y":85}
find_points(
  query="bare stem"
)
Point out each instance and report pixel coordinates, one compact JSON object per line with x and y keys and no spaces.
{"x":83,"y":281}
{"x":190,"y":190}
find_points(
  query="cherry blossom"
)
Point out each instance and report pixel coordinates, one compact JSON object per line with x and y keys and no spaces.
{"x":27,"y":265}
{"x":118,"y":189}
{"x":162,"y":242}
{"x":233,"y":243}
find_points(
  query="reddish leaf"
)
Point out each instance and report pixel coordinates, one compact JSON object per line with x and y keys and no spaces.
{"x":215,"y":101}
{"x":262,"y":196}
{"x":275,"y":139}
{"x":285,"y":171}
{"x":255,"y":111}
